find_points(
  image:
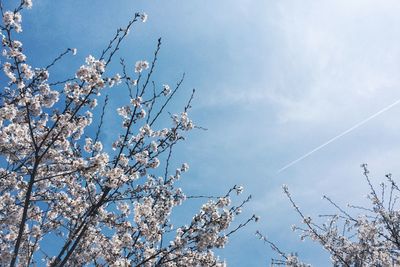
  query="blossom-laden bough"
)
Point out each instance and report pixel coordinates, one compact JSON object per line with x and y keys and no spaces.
{"x":369,"y":238}
{"x":68,"y":200}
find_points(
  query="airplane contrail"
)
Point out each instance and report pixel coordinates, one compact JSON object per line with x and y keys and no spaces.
{"x":339,"y":135}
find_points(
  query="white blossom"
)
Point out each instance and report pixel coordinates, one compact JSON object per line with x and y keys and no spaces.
{"x":166,"y":89}
{"x":27,"y":3}
{"x":141,"y":65}
{"x":143,"y":17}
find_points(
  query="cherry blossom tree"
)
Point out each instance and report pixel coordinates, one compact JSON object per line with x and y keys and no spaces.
{"x":69,"y":199}
{"x":369,"y":236}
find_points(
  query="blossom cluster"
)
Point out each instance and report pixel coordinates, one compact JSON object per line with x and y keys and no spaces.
{"x":369,"y":238}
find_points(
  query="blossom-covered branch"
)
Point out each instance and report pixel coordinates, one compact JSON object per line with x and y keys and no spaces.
{"x":369,"y":238}
{"x":97,"y":203}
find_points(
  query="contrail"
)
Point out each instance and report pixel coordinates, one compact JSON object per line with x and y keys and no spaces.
{"x":339,"y":135}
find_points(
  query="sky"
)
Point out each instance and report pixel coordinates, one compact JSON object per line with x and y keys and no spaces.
{"x":274,"y":81}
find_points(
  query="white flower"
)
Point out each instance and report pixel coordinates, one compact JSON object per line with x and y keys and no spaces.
{"x":136,"y":102}
{"x":12,"y":19}
{"x":141,"y":65}
{"x":27,"y":3}
{"x":121,"y":262}
{"x":141,"y":114}
{"x":124,"y":111}
{"x":8,"y":71}
{"x":27,"y":71}
{"x":154,"y":146}
{"x":123,"y":207}
{"x":93,"y":103}
{"x":98,"y":146}
{"x":114,"y":80}
{"x":155,"y":163}
{"x":143,"y":17}
{"x":142,"y":157}
{"x":238,"y":189}
{"x":88,"y":145}
{"x":185,"y":167}
{"x":166,"y":89}
{"x":16,"y":44}
{"x":8,"y":18}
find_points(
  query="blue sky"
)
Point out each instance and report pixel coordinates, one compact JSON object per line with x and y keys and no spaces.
{"x":274,"y":80}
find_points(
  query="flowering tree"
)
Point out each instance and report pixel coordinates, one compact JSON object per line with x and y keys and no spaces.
{"x":372,"y":238}
{"x":66,"y":198}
